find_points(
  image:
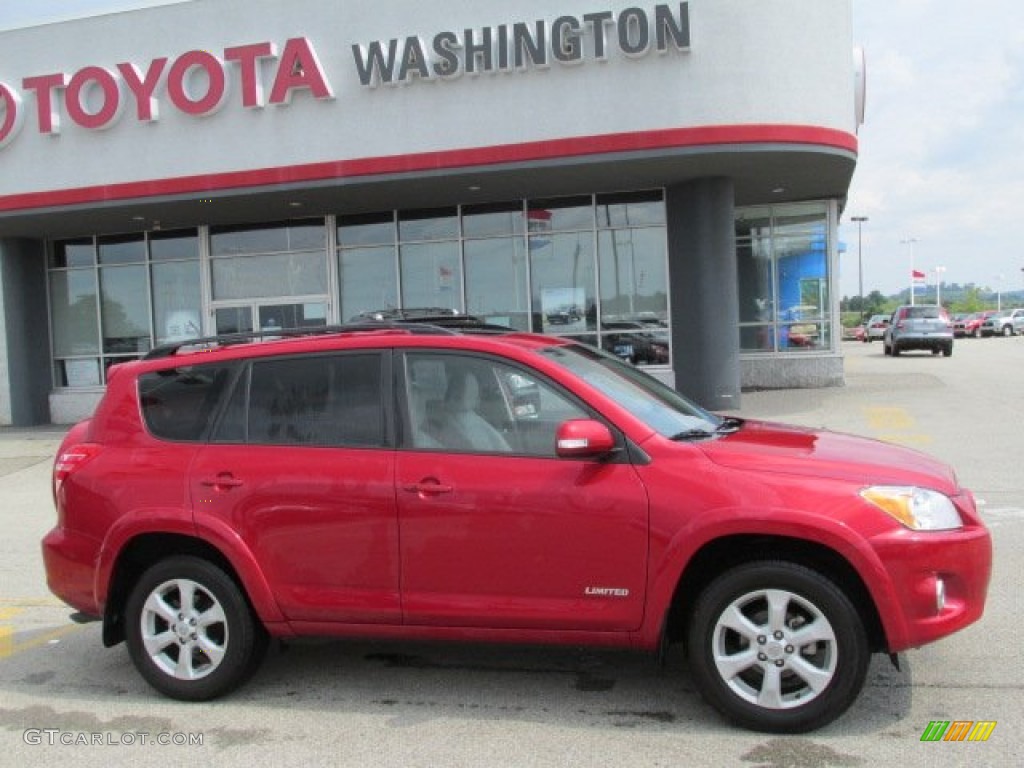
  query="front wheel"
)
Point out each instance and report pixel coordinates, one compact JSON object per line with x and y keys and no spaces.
{"x":1007,"y":330}
{"x":777,"y":647}
{"x":190,"y":631}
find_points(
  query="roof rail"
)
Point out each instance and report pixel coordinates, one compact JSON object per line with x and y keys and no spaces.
{"x":230,"y":339}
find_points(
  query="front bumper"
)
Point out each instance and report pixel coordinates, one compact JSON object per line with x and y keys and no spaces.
{"x":923,"y":565}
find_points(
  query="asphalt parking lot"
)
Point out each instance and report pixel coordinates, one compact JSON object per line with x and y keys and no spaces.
{"x":64,"y":699}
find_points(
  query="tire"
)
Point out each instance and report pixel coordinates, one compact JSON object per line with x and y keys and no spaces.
{"x":936,"y":350}
{"x":947,"y":351}
{"x":745,"y":638}
{"x":223,"y":640}
{"x":895,"y":349}
{"x":1007,"y":330}
{"x":886,"y":349}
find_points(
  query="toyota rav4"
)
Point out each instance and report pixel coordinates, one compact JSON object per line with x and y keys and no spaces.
{"x":400,"y":480}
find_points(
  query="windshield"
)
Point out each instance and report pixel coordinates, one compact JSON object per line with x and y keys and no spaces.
{"x":657,"y":405}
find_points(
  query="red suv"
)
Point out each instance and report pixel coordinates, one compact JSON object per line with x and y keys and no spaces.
{"x":413,"y":481}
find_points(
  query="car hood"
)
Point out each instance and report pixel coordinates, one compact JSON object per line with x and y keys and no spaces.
{"x":766,"y":447}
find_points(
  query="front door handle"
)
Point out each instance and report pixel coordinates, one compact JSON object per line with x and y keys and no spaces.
{"x":428,"y":488}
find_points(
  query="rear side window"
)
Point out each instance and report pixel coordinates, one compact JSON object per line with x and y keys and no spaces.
{"x":178,"y":404}
{"x":330,"y":400}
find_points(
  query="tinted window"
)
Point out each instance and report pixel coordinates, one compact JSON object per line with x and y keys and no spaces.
{"x":330,"y":400}
{"x":178,"y":404}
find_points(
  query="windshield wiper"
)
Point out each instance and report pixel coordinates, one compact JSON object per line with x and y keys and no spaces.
{"x":692,"y":434}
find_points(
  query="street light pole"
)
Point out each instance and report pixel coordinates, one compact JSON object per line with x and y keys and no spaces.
{"x":938,"y":284}
{"x":910,"y":241}
{"x":860,"y":264}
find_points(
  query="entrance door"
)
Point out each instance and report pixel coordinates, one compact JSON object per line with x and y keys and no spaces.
{"x":270,"y":315}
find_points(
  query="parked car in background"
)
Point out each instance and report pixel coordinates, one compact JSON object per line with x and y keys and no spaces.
{"x":636,"y":342}
{"x":970,"y":325}
{"x":921,"y":326}
{"x":876,"y":328}
{"x":1010,"y":322}
{"x":434,"y":480}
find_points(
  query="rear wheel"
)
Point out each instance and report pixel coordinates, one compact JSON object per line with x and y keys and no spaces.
{"x":777,"y":647}
{"x":1007,"y":330}
{"x":190,"y":631}
{"x":947,"y":351}
{"x":895,"y":350}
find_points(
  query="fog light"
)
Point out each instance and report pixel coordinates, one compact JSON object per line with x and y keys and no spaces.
{"x":940,"y":594}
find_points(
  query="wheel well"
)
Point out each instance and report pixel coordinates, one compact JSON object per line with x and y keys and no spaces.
{"x":138,"y":555}
{"x":720,"y":555}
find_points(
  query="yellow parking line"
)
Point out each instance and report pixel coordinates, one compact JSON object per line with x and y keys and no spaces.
{"x":6,"y":642}
{"x":884,"y":418}
{"x":906,"y":439}
{"x":46,"y":637}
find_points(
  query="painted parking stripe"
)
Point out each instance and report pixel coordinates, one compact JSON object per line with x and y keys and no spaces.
{"x":895,"y":425}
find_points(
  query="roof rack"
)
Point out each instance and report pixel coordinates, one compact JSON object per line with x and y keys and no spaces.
{"x":230,"y":339}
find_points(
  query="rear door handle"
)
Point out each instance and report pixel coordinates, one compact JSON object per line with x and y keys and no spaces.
{"x":222,"y":481}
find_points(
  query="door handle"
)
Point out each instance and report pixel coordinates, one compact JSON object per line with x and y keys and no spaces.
{"x":223,"y":481}
{"x":427,"y":488}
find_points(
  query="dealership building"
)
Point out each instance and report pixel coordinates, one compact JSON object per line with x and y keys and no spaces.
{"x":664,"y":180}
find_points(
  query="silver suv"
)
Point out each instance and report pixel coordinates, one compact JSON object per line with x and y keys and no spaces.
{"x":925,"y":326}
{"x":1007,"y":323}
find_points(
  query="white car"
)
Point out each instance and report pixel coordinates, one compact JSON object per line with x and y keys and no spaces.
{"x":875,"y":328}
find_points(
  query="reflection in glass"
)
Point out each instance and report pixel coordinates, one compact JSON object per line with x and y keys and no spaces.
{"x":492,"y":220}
{"x":176,"y":301}
{"x":122,"y":249}
{"x":435,"y":224}
{"x":631,"y":209}
{"x":496,"y":281}
{"x":233,"y":320}
{"x":563,"y":282}
{"x":368,"y":229}
{"x":633,"y":270}
{"x":125,"y":310}
{"x":283,"y":274}
{"x":289,"y":316}
{"x":560,"y":214}
{"x":369,"y":280}
{"x":74,"y":253}
{"x":269,"y":238}
{"x":73,"y":298}
{"x":180,"y":244}
{"x":431,"y":276}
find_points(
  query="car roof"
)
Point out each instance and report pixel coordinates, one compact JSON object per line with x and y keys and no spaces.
{"x":466,"y":335}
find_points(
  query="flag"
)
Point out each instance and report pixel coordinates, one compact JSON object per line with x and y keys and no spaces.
{"x":917,"y":274}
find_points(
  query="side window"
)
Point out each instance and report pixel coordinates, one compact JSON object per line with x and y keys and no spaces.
{"x":330,"y":400}
{"x":469,"y":404}
{"x":178,"y":404}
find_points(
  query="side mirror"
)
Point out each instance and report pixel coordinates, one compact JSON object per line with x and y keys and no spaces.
{"x":583,"y":439}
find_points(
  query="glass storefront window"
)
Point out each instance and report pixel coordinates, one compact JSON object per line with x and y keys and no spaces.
{"x":69,"y":254}
{"x":496,"y":281}
{"x":369,"y":280}
{"x":73,"y":301}
{"x":167,"y":246}
{"x":635,"y":209}
{"x":431,"y":275}
{"x":269,"y":238}
{"x":492,"y":220}
{"x":176,"y":301}
{"x":122,"y":249}
{"x":434,"y":224}
{"x":562,"y":282}
{"x":783,"y":270}
{"x":560,"y":214}
{"x":371,"y":229}
{"x":266,"y":275}
{"x":125,"y":310}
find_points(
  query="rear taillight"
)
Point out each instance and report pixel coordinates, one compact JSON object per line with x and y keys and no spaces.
{"x":71,"y":459}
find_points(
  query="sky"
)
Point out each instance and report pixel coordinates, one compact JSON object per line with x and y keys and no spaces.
{"x":940,"y":174}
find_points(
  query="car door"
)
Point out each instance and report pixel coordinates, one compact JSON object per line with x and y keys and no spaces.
{"x":301,"y":469}
{"x":499,"y":532}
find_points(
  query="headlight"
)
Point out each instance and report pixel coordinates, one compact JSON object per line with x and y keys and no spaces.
{"x":917,"y":508}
